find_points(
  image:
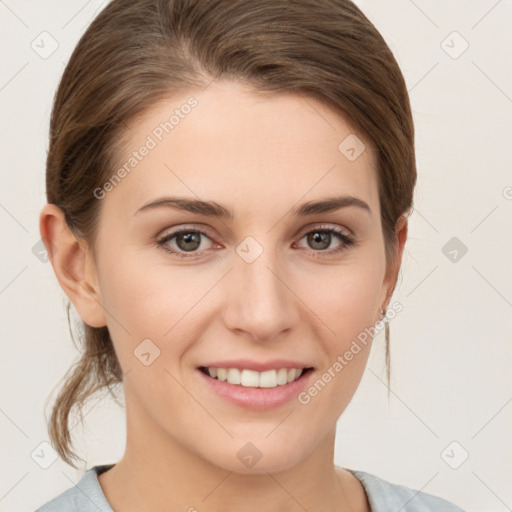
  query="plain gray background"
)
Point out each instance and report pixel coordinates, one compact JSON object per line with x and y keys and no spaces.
{"x":451,"y":345}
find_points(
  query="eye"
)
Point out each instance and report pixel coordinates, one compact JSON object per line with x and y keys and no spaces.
{"x":186,"y":240}
{"x":320,"y":239}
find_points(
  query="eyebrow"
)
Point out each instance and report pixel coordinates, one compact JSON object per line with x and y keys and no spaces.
{"x":213,"y":209}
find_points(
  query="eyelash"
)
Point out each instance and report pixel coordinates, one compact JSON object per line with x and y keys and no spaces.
{"x":347,"y":240}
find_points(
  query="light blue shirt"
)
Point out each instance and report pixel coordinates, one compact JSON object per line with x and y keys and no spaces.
{"x":383,"y":496}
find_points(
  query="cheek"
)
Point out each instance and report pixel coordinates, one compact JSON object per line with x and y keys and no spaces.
{"x":345,"y":299}
{"x":148,"y":300}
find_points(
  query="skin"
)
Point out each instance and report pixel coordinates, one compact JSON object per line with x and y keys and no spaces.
{"x":260,"y":157}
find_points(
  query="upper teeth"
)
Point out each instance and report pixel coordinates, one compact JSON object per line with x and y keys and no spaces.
{"x":253,"y":379}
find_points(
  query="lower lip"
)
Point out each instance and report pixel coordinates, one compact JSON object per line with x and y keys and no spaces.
{"x":258,"y":399}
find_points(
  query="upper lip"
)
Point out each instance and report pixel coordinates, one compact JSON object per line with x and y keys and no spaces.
{"x":274,"y":364}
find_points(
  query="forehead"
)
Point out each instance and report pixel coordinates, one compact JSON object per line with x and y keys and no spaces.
{"x":243,"y":149}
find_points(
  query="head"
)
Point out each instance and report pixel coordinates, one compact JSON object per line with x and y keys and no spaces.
{"x":262,"y":108}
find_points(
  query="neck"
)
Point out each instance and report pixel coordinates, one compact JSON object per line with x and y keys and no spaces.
{"x":158,"y":473}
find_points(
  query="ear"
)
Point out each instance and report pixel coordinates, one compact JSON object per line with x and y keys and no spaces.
{"x":73,"y":264}
{"x":393,"y":268}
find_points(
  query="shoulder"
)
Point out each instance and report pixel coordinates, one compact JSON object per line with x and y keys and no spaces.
{"x":384,"y":496}
{"x":85,"y":496}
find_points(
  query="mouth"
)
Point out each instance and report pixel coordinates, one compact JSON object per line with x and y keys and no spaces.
{"x":255,"y":386}
{"x":243,"y":377}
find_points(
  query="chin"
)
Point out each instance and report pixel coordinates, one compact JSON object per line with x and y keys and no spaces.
{"x":260,"y":456}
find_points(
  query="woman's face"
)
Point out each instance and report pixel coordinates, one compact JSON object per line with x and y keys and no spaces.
{"x":266,"y":287}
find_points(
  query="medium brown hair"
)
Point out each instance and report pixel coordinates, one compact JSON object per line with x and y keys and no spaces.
{"x":137,"y":52}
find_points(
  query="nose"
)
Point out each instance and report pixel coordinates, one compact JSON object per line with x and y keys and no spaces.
{"x":259,"y":300}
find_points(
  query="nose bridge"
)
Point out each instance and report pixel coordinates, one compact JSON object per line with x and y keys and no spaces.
{"x":261,"y":303}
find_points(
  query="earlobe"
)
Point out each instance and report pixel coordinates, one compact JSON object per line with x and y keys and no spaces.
{"x":73,"y":265}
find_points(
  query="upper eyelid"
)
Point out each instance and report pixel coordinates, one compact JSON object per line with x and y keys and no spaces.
{"x":175,"y":231}
{"x":319,"y":226}
{"x":205,"y":230}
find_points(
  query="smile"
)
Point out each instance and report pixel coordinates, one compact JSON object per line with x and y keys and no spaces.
{"x":253,"y":379}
